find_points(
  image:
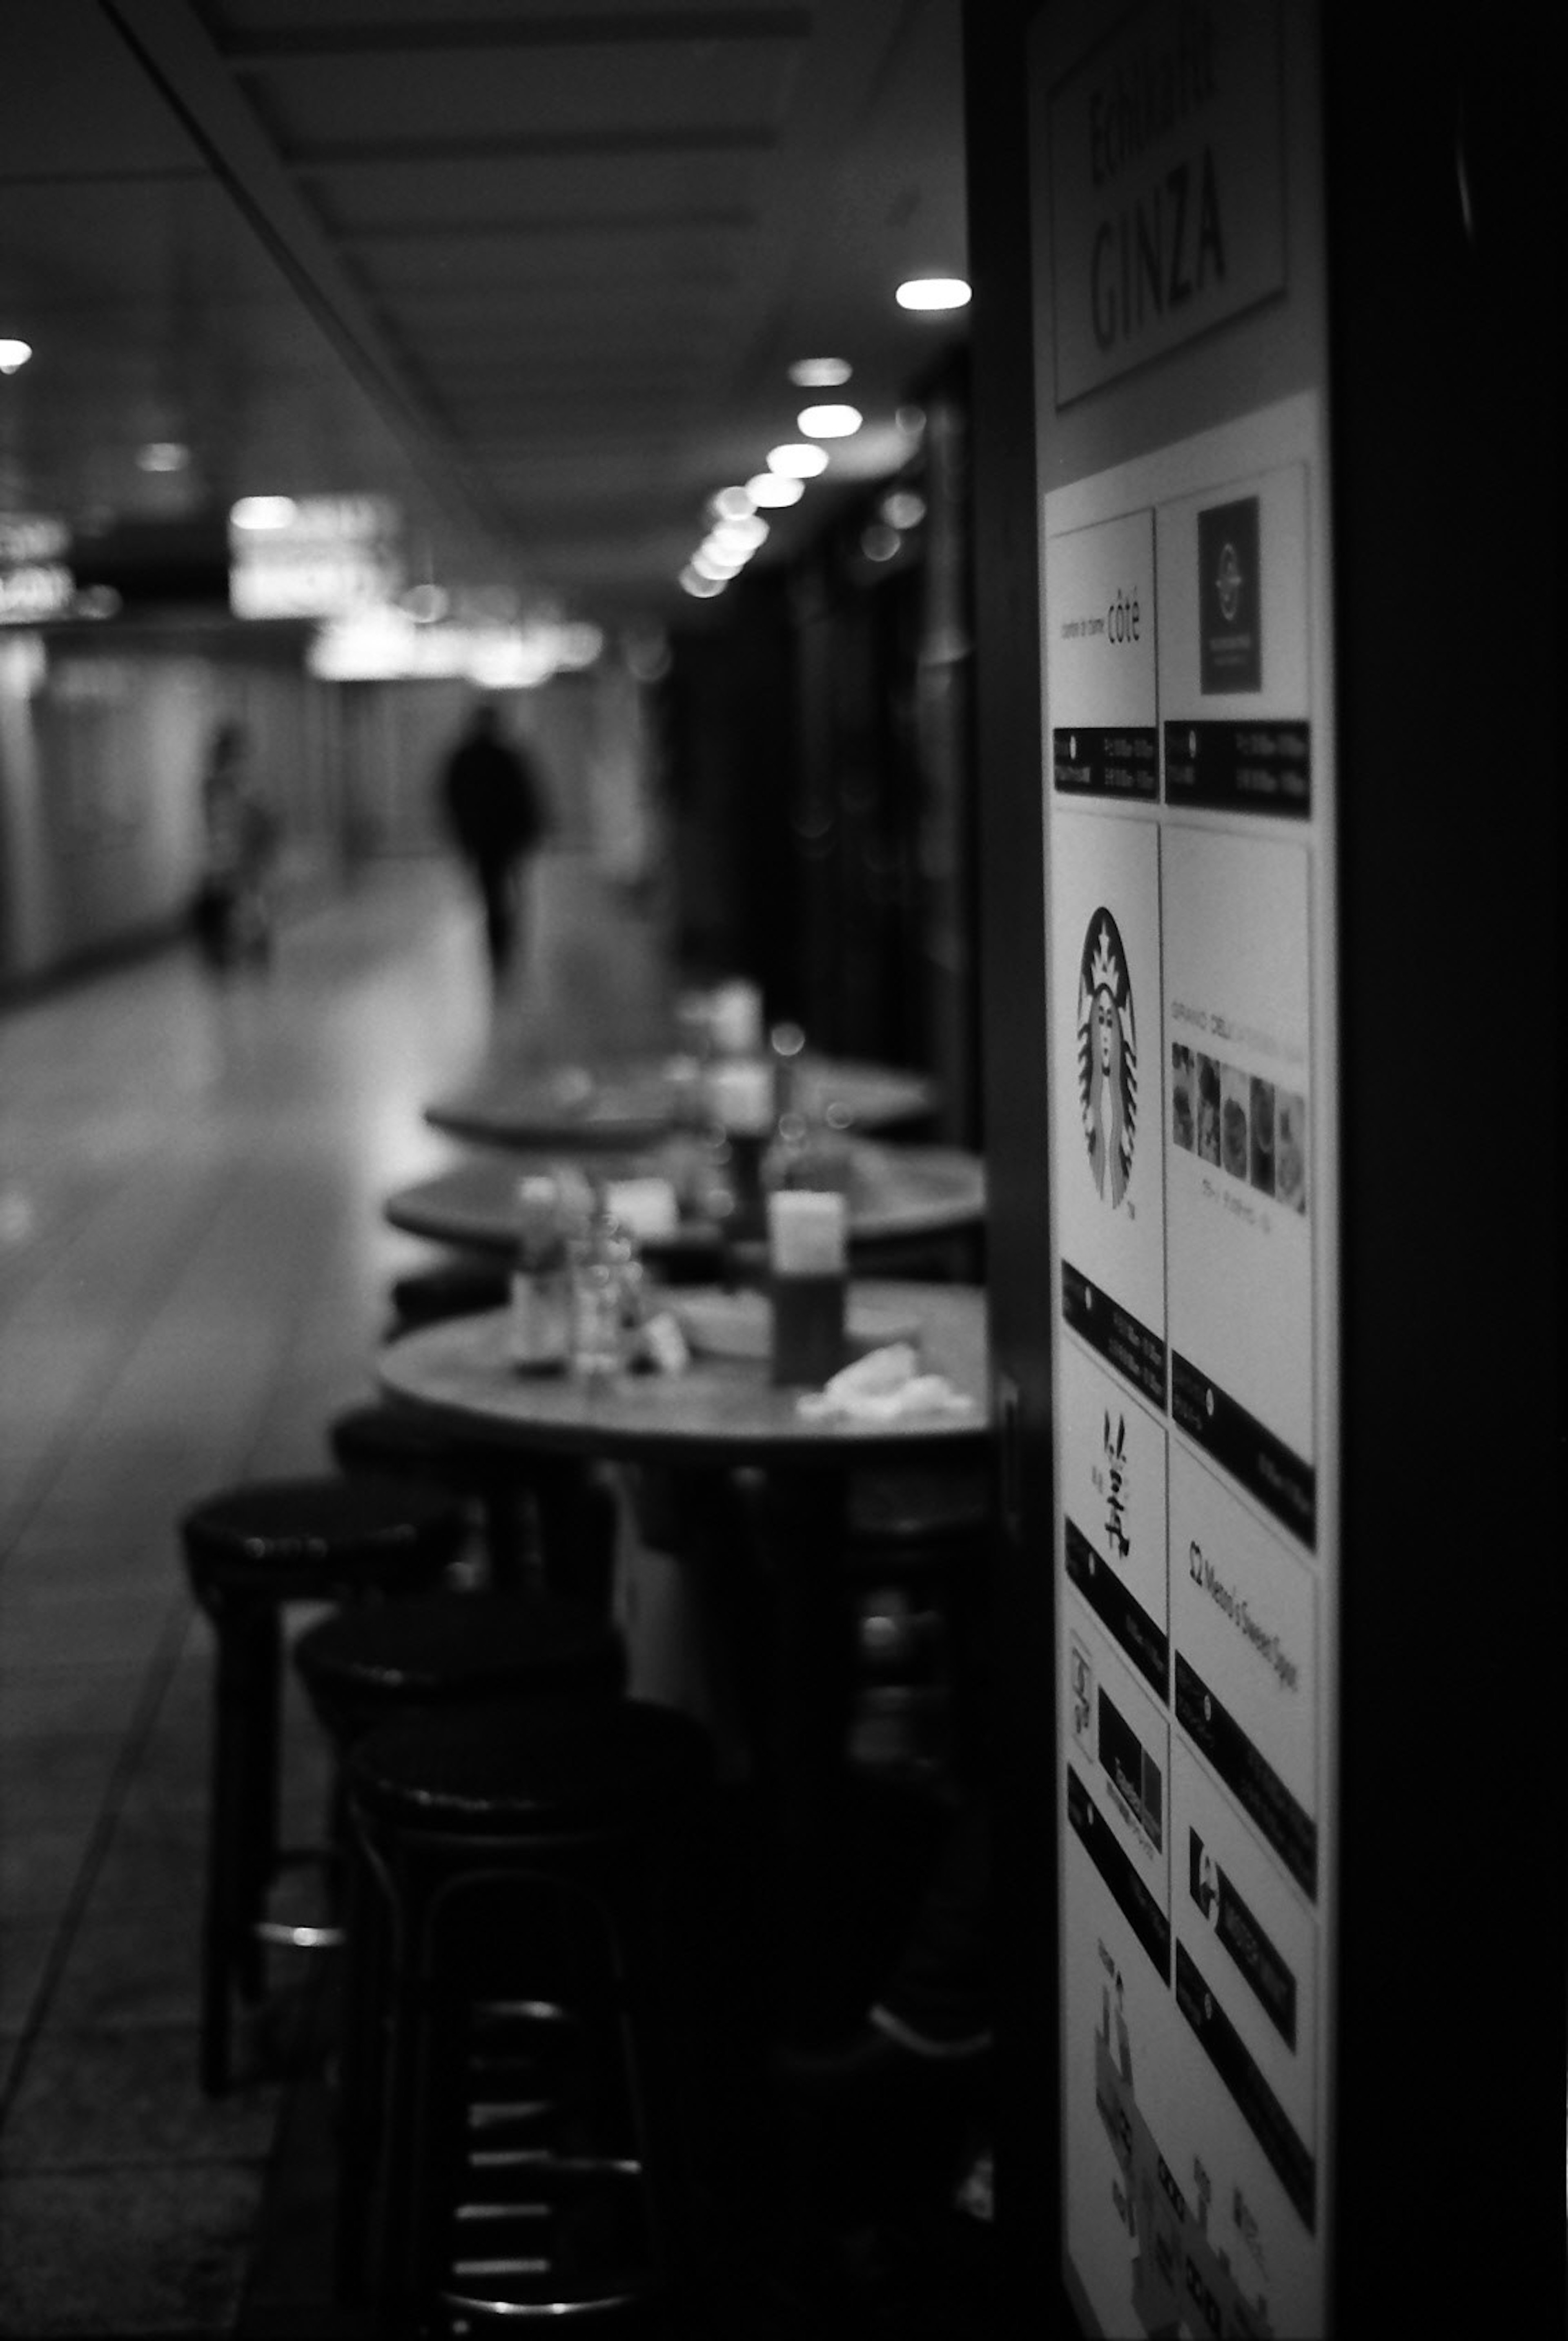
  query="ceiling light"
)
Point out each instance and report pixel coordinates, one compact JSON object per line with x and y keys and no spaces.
{"x":745,"y":535}
{"x":13,"y":355}
{"x":903,"y":508}
{"x":879,"y":542}
{"x":263,"y":512}
{"x":425,"y":604}
{"x":799,"y":461}
{"x":932,"y":292}
{"x":828,"y":421}
{"x":695,"y":583}
{"x":712,"y":562}
{"x":820,"y":373}
{"x":731,"y":504}
{"x":163,"y":455}
{"x":770,"y":488}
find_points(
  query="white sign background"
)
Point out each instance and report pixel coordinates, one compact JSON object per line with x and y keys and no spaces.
{"x":1097,"y":579}
{"x":1237,"y":990}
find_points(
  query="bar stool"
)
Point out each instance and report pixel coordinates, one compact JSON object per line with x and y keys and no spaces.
{"x":917,"y":1548}
{"x":373,"y":1440}
{"x":548,"y":1518}
{"x":249,"y":1551}
{"x":367,"y":1667}
{"x":448,"y":1288}
{"x":535,"y":1868}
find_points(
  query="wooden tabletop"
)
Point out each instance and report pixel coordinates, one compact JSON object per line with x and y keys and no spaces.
{"x":894,"y":1193}
{"x":632,"y":1103}
{"x":723,"y":1410}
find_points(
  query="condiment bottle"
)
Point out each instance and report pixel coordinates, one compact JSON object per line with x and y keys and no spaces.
{"x":604,"y":1279}
{"x":538,"y":1331}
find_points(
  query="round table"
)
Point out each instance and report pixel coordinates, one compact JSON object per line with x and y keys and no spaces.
{"x":634,"y":1103}
{"x":896,"y":1194}
{"x":722,"y":1412}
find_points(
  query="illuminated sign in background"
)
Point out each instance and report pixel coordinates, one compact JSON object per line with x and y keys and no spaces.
{"x":35,"y":578}
{"x":312,"y":556}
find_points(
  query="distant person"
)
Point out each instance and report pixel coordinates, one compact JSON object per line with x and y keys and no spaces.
{"x":233,"y":910}
{"x":493,"y":809}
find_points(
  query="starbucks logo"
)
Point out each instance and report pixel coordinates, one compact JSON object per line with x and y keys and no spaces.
{"x":1107,"y":1058}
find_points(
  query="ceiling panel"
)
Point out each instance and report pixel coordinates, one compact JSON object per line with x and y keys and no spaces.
{"x":509,"y":263}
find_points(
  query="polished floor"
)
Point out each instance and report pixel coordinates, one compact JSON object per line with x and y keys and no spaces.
{"x":193,"y":1279}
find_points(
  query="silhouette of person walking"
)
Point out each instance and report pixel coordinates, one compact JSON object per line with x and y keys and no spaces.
{"x":232,"y":911}
{"x":493,"y":810}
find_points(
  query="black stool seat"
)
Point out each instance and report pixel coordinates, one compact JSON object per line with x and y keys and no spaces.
{"x":387,"y":1442}
{"x":318,"y":1538}
{"x":249,"y":1551}
{"x":535,"y":1864}
{"x":361,"y":1667}
{"x":553,"y":1764}
{"x":458,"y":1288}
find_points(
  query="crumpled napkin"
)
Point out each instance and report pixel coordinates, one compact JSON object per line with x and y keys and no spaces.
{"x":882,"y":1387}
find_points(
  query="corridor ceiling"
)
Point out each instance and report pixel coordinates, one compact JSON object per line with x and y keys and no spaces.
{"x":537,"y":272}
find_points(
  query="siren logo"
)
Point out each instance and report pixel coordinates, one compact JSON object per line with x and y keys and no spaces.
{"x":1107,"y":1058}
{"x":1228,"y":583}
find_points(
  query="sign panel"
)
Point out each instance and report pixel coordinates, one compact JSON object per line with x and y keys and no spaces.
{"x":1194,"y":1406}
{"x":1237,"y":990}
{"x":1167,"y":198}
{"x":1100,"y":660}
{"x":1106,"y":1090}
{"x":1114,"y":1514}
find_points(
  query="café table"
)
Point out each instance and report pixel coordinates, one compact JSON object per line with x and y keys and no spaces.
{"x":896,"y":1194}
{"x":723,"y":1411}
{"x":635,"y":1100}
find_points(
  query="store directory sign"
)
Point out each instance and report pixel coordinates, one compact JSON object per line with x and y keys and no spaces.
{"x":1187,"y":802}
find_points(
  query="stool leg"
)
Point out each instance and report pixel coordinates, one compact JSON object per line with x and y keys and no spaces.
{"x":227,"y":1816}
{"x":259,"y":1827}
{"x":361,"y":2063}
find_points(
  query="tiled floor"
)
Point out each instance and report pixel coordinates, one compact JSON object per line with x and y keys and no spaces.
{"x":193,"y":1273}
{"x":192,"y":1278}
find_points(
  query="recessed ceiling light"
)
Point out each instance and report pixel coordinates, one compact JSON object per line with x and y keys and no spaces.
{"x":902,"y":508}
{"x":799,"y":461}
{"x":702,"y":588}
{"x":828,"y":421}
{"x":163,"y":455}
{"x":13,"y":355}
{"x":820,"y":373}
{"x":743,"y":535}
{"x":771,"y":489}
{"x":263,"y":512}
{"x":731,"y":504}
{"x":932,"y":292}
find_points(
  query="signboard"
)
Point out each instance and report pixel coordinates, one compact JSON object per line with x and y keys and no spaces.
{"x":315,"y":557}
{"x":35,"y":577}
{"x":1167,"y":197}
{"x":1189,"y":886}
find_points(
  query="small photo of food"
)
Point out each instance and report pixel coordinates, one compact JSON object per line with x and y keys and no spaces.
{"x":1182,"y":1127}
{"x":1208,"y":1109}
{"x":1235,"y":1135}
{"x":1290,"y":1150}
{"x":1262,"y":1170}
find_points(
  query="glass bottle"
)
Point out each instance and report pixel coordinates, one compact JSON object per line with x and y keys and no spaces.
{"x":538,"y":1331}
{"x":605,"y":1284}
